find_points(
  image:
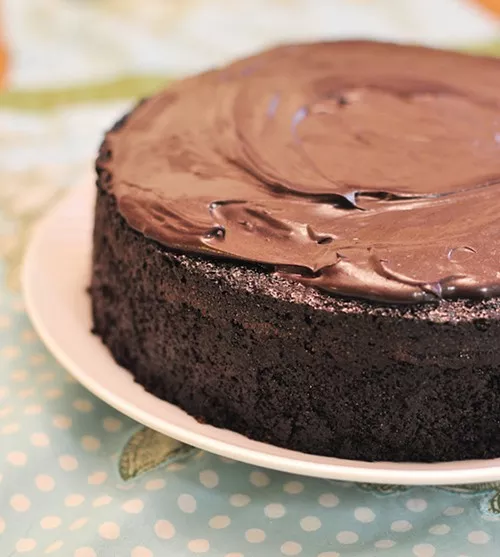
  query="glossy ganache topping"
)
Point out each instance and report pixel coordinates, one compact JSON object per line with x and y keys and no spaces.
{"x":364,"y":169}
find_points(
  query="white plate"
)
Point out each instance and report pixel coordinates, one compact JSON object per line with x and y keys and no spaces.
{"x":55,"y":276}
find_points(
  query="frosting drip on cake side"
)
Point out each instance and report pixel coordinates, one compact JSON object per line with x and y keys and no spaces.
{"x":364,"y":169}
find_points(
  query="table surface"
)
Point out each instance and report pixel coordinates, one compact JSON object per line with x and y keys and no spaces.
{"x":78,"y":479}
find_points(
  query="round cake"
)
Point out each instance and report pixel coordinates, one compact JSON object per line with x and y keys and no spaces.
{"x":304,"y":247}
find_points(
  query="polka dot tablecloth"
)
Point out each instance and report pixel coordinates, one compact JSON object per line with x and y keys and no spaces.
{"x":77,"y":479}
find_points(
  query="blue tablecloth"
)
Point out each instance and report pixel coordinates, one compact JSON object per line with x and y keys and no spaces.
{"x":77,"y":479}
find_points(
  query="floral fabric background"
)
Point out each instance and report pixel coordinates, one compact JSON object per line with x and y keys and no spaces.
{"x":77,"y":479}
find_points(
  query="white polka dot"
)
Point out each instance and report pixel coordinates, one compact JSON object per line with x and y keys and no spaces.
{"x":274,"y":510}
{"x":198,"y":546}
{"x":293,"y":488}
{"x":209,"y":479}
{"x":220,"y":521}
{"x":97,"y":478}
{"x":2,"y":525}
{"x":6,"y":410}
{"x":19,"y":375}
{"x":52,"y":394}
{"x":25,"y":393}
{"x":328,"y":500}
{"x":291,"y":548}
{"x":155,"y":485}
{"x":62,"y":422}
{"x":85,"y":552}
{"x":37,"y":359}
{"x":44,"y":482}
{"x":384,"y":544}
{"x":17,"y":458}
{"x":24,"y":545}
{"x":18,"y":305}
{"x":347,"y":537}
{"x":28,"y":335}
{"x":102,"y":501}
{"x":439,"y":529}
{"x":255,"y":535}
{"x":68,"y":463}
{"x":453,"y":511}
{"x":329,"y":554}
{"x":33,"y":409}
{"x":90,"y":443}
{"x":74,"y":500}
{"x":20,"y":503}
{"x":50,"y":522}
{"x":259,"y":479}
{"x":9,"y":429}
{"x":111,"y":425}
{"x":4,"y":321}
{"x":39,"y":439}
{"x":424,"y":550}
{"x":416,"y":505}
{"x":133,"y":506}
{"x":186,"y":503}
{"x":77,"y":524}
{"x":401,"y":526}
{"x":164,"y":529}
{"x":176,"y":466}
{"x":364,"y":514}
{"x":141,"y":551}
{"x":478,"y":537}
{"x":83,"y":405}
{"x":10,"y":352}
{"x":109,"y":531}
{"x":239,"y":500}
{"x":46,"y":377}
{"x":310,"y":523}
{"x":53,"y":547}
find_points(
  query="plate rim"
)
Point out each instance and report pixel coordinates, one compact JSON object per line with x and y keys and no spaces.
{"x":472,"y":471}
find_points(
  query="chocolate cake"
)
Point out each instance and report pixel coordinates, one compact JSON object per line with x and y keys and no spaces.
{"x":304,"y":246}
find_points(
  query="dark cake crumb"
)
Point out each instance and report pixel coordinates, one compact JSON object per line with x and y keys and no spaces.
{"x":286,"y":364}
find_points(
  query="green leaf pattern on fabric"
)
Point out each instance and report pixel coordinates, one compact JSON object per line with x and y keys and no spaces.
{"x":383,"y":489}
{"x":147,"y":449}
{"x":490,"y":505}
{"x":494,"y":504}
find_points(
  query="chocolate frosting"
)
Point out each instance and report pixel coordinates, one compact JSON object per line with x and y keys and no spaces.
{"x":363,"y":169}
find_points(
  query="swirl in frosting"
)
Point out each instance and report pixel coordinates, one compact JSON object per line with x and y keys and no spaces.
{"x":364,"y":169}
